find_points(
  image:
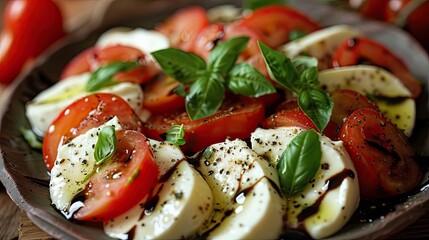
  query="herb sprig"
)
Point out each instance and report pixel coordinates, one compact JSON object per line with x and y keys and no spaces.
{"x":299,"y":162}
{"x":106,"y":145}
{"x":208,"y":81}
{"x":175,"y":135}
{"x":103,"y":76}
{"x":300,"y":76}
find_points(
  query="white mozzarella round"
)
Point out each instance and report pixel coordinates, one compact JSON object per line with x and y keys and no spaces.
{"x":320,"y":44}
{"x":46,"y":106}
{"x":378,"y":82}
{"x":335,"y":184}
{"x":180,"y":206}
{"x":74,"y":164}
{"x":145,"y":40}
{"x":231,"y":168}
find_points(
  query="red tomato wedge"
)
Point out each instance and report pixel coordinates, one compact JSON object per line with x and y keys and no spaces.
{"x":122,"y":182}
{"x":381,"y":154}
{"x":29,"y":27}
{"x":183,"y":26}
{"x":234,"y":120}
{"x":159,"y":96}
{"x":93,"y":58}
{"x":361,"y":50}
{"x":83,"y":114}
{"x":346,"y":102}
{"x":274,"y":24}
{"x":79,"y":64}
{"x":297,"y":118}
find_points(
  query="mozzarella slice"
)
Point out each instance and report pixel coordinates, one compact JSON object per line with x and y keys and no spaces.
{"x":74,"y":164}
{"x":46,"y":106}
{"x":335,"y":184}
{"x":320,"y":44}
{"x":232,"y":169}
{"x":224,"y":13}
{"x":180,"y":206}
{"x":146,"y":40}
{"x":378,"y":82}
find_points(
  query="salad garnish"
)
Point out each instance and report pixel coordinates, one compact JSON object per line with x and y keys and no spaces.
{"x":208,"y":81}
{"x":299,"y":162}
{"x":175,"y":135}
{"x":103,"y":76}
{"x":106,"y":145}
{"x":300,"y":76}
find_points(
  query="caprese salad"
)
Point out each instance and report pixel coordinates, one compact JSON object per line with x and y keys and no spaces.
{"x":228,"y":124}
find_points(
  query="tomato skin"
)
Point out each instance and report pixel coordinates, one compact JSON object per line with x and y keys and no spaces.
{"x":83,"y":114}
{"x":274,"y":23}
{"x":183,"y":26}
{"x":108,"y":196}
{"x":207,"y":39}
{"x":356,"y":50}
{"x":297,"y":118}
{"x":346,"y":102}
{"x":381,"y":154}
{"x":159,"y":98}
{"x":30,"y":27}
{"x":79,"y":64}
{"x":235,"y":119}
{"x":93,"y":58}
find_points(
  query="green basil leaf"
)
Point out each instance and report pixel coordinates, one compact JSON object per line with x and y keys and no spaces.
{"x":296,"y":34}
{"x":255,"y":4}
{"x":205,"y":96}
{"x":280,"y":67}
{"x":180,"y":65}
{"x":31,"y":138}
{"x":106,"y":144}
{"x":246,"y":80}
{"x":224,"y":55}
{"x":175,"y":135}
{"x":317,"y":105}
{"x":299,"y":162}
{"x":302,"y":63}
{"x":103,"y":76}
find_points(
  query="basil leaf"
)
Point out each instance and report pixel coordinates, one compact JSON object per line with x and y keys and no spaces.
{"x":255,"y":4}
{"x":296,"y":34}
{"x":246,"y":80}
{"x":31,"y":138}
{"x":299,"y":162}
{"x":182,"y":66}
{"x":175,"y":135}
{"x":205,"y":96}
{"x":224,"y":55}
{"x":280,"y":67}
{"x":302,"y":63}
{"x":317,"y":105}
{"x":103,"y":76}
{"x":180,"y":90}
{"x":106,"y":144}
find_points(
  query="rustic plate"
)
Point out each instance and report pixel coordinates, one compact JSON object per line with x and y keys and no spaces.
{"x":24,"y":174}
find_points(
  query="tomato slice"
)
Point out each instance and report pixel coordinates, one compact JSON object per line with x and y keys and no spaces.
{"x":361,"y":50}
{"x":207,"y":39}
{"x":235,"y":119}
{"x":381,"y":154}
{"x":83,"y":114}
{"x":346,"y":102}
{"x":122,"y":182}
{"x":93,"y":58}
{"x":297,"y":118}
{"x":274,"y":24}
{"x":159,"y":96}
{"x":79,"y":64}
{"x":183,"y":26}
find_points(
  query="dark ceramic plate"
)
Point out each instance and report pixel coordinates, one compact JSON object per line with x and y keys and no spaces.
{"x":23,"y":171}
